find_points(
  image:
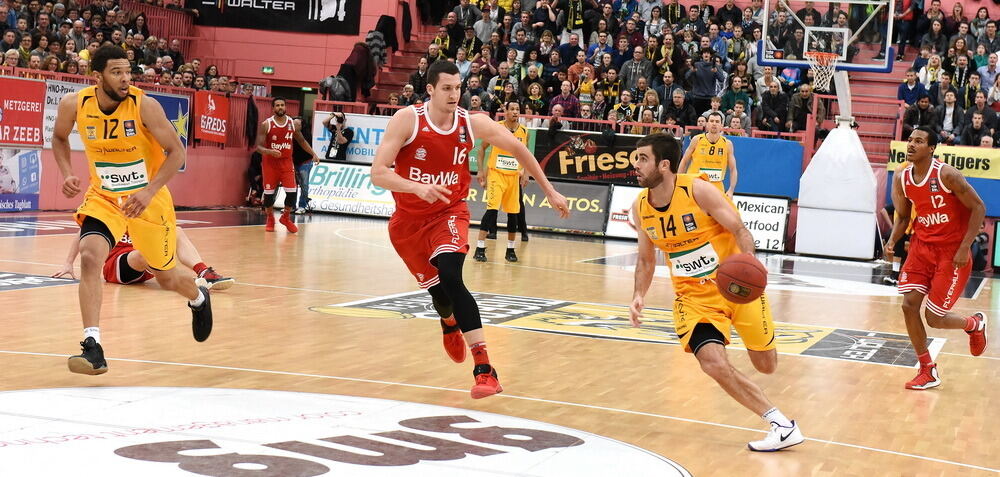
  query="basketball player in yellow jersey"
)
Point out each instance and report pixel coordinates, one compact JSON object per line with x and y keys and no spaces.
{"x":132,"y":152}
{"x":697,"y":227}
{"x":711,"y":154}
{"x":502,"y":178}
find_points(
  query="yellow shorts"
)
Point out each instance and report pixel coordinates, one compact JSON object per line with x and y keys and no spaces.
{"x":752,"y":321}
{"x":502,"y":190}
{"x":153,"y":234}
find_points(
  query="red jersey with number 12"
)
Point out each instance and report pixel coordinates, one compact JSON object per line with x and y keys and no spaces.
{"x":940,"y":218}
{"x":435,"y":156}
{"x":279,"y":138}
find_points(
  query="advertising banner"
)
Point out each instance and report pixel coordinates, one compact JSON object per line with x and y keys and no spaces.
{"x":765,"y":166}
{"x":22,"y":111}
{"x":368,"y":132}
{"x":588,"y":205}
{"x":178,"y":109}
{"x":347,"y":189}
{"x":585,"y":156}
{"x":54,"y":92}
{"x":213,"y":115}
{"x":765,"y":217}
{"x":20,"y":179}
{"x":337,"y":17}
{"x":980,"y":165}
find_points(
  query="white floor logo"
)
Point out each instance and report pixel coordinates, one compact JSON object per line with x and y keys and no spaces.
{"x":156,"y":431}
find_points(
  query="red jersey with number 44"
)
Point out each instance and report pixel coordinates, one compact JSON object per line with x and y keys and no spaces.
{"x":435,"y":156}
{"x":940,"y":218}
{"x":279,"y":138}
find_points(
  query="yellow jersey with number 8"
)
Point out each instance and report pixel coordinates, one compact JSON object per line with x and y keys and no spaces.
{"x":711,"y":159}
{"x":694,"y":243}
{"x":503,"y":161}
{"x":122,"y":153}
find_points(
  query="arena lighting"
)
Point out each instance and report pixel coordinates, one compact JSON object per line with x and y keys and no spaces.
{"x":307,"y":89}
{"x":267,"y":70}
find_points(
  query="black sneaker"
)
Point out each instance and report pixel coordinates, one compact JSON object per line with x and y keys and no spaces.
{"x":480,"y":254}
{"x":524,"y":237}
{"x":90,"y":361}
{"x":201,"y":318}
{"x":511,"y":256}
{"x":491,"y":235}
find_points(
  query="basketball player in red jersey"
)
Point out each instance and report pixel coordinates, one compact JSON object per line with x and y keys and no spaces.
{"x":430,"y":145}
{"x":274,"y":142}
{"x":948,"y":215}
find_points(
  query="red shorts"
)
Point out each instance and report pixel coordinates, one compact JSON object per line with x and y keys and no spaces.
{"x":929,"y":270}
{"x":418,"y":239}
{"x":278,"y":171}
{"x":117,"y":270}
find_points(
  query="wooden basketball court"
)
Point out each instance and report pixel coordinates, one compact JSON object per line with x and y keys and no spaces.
{"x":564,"y":353}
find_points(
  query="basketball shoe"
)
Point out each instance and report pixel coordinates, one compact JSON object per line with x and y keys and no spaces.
{"x":288,"y":222}
{"x":977,"y":337}
{"x":487,"y":382}
{"x":480,"y":254}
{"x":454,"y":342}
{"x":91,"y":360}
{"x":926,"y":378}
{"x":201,"y":318}
{"x":778,"y":438}
{"x":269,"y":224}
{"x":216,"y":281}
{"x":511,"y":255}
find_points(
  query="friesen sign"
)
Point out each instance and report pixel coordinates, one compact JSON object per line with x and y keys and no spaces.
{"x":22,"y":110}
{"x":213,"y":115}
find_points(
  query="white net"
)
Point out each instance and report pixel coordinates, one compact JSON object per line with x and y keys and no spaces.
{"x":823,"y":66}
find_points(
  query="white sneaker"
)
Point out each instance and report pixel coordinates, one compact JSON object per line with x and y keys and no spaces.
{"x":299,"y":211}
{"x":779,"y":438}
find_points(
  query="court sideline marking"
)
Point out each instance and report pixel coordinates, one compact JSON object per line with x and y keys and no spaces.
{"x":510,"y":396}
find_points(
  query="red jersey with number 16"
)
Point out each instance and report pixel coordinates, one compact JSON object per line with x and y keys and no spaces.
{"x":940,"y":218}
{"x":279,"y":138}
{"x":435,"y":156}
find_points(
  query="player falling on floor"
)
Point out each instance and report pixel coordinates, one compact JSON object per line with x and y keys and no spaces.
{"x":429,"y":145}
{"x":697,"y":226}
{"x":274,"y":143}
{"x":948,"y":215}
{"x":132,"y":151}
{"x":126,"y":266}
{"x":712,"y":154}
{"x":502,"y":178}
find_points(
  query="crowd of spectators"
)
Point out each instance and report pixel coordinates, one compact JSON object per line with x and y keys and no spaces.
{"x":61,"y":37}
{"x":660,"y":61}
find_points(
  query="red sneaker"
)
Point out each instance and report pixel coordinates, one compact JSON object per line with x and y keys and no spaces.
{"x":269,"y":225}
{"x":216,"y":281}
{"x":977,"y":337}
{"x":454,"y":342}
{"x":927,"y":378}
{"x":288,"y":223}
{"x":487,"y":383}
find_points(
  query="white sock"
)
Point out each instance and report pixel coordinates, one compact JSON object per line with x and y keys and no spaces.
{"x":198,"y":301}
{"x":896,"y":266}
{"x":92,"y":332}
{"x":481,"y":243}
{"x":510,"y":244}
{"x":774,"y":415}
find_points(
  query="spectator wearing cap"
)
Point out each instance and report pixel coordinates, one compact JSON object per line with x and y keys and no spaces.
{"x":471,"y":44}
{"x":65,"y":27}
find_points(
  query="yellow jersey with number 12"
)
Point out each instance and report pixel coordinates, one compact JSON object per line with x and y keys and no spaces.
{"x":694,"y":243}
{"x":122,"y":153}
{"x":711,"y":159}
{"x":504,"y":162}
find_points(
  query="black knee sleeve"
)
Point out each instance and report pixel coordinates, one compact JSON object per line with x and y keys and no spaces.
{"x":290,"y":199}
{"x":466,"y":310}
{"x":269,"y":200}
{"x":702,"y":334}
{"x":440,"y":300}
{"x":489,"y":222}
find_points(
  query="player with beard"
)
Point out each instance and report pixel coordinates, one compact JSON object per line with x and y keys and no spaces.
{"x":429,"y":145}
{"x":697,"y":227}
{"x":274,"y":142}
{"x":132,"y":151}
{"x":948,"y":213}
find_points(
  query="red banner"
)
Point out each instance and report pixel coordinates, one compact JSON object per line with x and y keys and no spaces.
{"x":22,"y":111}
{"x":213,"y":115}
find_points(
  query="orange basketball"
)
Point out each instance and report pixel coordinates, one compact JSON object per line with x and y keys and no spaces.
{"x":741,"y":278}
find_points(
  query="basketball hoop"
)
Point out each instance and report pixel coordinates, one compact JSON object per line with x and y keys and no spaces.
{"x":823,"y":64}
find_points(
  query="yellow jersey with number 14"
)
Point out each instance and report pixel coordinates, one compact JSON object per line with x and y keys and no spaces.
{"x":504,"y":162}
{"x":711,"y":159}
{"x":694,"y":243}
{"x":122,"y":153}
